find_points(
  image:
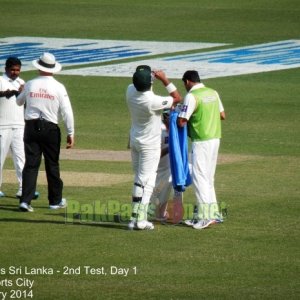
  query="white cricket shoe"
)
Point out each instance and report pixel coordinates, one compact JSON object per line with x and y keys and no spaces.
{"x":190,"y":222}
{"x":19,"y":194}
{"x":2,"y":194}
{"x":26,"y":207}
{"x":132,"y":225}
{"x":204,"y":224}
{"x":61,"y":204}
{"x":145,"y":225}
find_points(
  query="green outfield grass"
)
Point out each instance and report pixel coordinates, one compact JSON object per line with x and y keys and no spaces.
{"x":254,"y":254}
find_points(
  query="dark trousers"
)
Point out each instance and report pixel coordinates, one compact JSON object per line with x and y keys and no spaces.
{"x":41,"y":138}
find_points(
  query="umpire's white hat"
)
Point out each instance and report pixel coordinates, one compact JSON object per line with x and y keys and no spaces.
{"x":47,"y":63}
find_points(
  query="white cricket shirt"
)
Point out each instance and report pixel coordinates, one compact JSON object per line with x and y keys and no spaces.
{"x":146,"y":109}
{"x":164,"y":163}
{"x":11,"y":115}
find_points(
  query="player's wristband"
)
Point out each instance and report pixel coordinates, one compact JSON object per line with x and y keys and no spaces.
{"x":171,"y":88}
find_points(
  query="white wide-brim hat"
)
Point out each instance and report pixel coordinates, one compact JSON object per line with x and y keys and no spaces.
{"x":47,"y":63}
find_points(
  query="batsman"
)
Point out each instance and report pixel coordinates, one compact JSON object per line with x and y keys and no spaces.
{"x":146,"y":108}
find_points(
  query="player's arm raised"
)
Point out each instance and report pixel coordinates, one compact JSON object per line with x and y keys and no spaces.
{"x":171,"y":88}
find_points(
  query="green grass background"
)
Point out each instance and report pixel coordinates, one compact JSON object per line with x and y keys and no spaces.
{"x":255,"y":253}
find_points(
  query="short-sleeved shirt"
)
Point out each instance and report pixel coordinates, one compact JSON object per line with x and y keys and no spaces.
{"x":146,"y":109}
{"x":204,"y":121}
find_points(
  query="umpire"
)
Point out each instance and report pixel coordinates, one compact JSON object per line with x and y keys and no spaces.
{"x":46,"y":100}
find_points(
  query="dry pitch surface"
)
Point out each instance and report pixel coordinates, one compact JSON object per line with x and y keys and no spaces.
{"x":89,"y":179}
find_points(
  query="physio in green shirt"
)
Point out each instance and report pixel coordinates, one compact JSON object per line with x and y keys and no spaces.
{"x":202,"y":111}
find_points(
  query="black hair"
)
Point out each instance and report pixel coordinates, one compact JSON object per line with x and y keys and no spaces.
{"x":191,"y":75}
{"x":12,"y":61}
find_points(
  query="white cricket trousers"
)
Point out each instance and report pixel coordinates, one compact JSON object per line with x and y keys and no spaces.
{"x":145,"y":163}
{"x":204,"y":162}
{"x":12,"y":139}
{"x":163,"y":187}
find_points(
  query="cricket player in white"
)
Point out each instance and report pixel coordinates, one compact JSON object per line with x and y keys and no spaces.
{"x":146,"y":109}
{"x":11,"y":119}
{"x":163,"y":184}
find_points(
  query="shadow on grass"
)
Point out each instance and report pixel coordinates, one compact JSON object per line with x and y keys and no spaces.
{"x":10,"y":197}
{"x":76,"y":221}
{"x":104,"y":221}
{"x":106,"y":225}
{"x":8,"y":207}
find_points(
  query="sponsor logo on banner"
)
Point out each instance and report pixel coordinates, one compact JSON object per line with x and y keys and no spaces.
{"x":235,"y":61}
{"x":71,"y":52}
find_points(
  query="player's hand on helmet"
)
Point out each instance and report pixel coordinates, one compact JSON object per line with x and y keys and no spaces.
{"x":159,"y":74}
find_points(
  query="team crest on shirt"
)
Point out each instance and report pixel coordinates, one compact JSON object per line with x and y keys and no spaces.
{"x":165,"y":102}
{"x":184,"y":108}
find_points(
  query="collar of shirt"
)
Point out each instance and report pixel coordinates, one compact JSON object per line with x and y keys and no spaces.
{"x":197,"y":86}
{"x":9,"y":79}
